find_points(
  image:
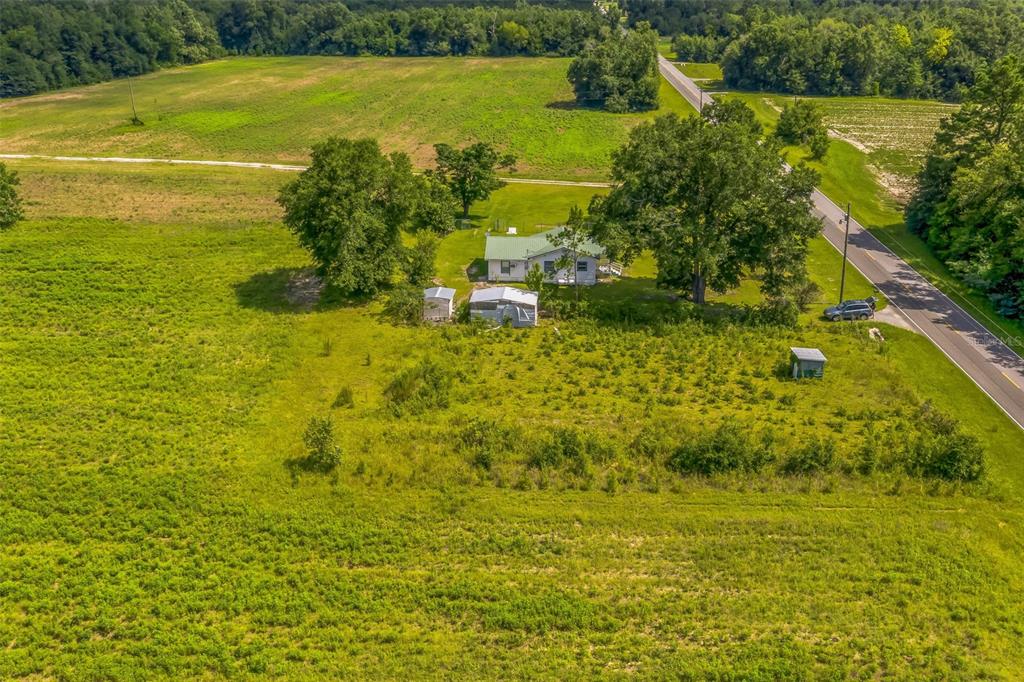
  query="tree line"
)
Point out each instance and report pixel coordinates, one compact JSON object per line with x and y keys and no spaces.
{"x":927,"y":50}
{"x":50,"y":44}
{"x":969,"y":204}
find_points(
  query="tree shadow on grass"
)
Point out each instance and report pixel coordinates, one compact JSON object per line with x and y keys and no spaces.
{"x":291,"y":291}
{"x":476,"y":271}
{"x":295,"y":466}
{"x":566,"y":105}
{"x":635,"y":302}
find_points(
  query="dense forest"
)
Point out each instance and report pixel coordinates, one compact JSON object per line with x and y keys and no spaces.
{"x":843,"y":47}
{"x":969,"y":204}
{"x":49,"y":44}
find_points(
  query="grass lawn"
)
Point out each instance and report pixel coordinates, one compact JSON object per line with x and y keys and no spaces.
{"x":701,"y":70}
{"x":275,"y":108}
{"x":157,"y":378}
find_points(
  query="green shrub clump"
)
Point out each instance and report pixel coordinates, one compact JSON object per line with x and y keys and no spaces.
{"x":729,"y":447}
{"x":485,"y":439}
{"x":943,"y":450}
{"x":816,"y":454}
{"x":567,"y":446}
{"x":323,"y":452}
{"x":418,"y":388}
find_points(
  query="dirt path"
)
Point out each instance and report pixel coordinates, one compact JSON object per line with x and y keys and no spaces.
{"x":255,"y":164}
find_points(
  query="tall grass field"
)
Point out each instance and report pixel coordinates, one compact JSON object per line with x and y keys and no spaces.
{"x":642,"y":491}
{"x":158,"y":373}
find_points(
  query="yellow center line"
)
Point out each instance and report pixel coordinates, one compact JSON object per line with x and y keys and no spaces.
{"x":1010,"y":379}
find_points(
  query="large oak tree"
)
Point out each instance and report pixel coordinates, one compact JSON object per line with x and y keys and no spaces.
{"x":711,"y":202}
{"x":349,"y":208}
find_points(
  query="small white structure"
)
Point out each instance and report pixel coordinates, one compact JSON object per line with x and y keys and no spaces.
{"x":510,"y":258}
{"x":499,"y":304}
{"x":438,"y":304}
{"x":807,"y":362}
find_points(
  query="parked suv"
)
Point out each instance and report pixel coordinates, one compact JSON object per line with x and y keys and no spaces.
{"x":850,"y":310}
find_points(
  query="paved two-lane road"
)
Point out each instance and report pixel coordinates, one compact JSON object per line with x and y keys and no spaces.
{"x":990,"y":363}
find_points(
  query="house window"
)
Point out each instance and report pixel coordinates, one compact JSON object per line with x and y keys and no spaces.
{"x":581,"y":266}
{"x":549,"y":267}
{"x":506,"y":267}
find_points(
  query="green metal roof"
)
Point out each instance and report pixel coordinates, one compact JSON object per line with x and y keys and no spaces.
{"x":521,"y":248}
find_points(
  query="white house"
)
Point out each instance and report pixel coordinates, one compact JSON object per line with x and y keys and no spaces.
{"x":499,"y":304}
{"x":438,"y":304}
{"x":510,"y":258}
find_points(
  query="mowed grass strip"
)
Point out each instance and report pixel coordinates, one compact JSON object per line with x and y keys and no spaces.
{"x":275,"y":108}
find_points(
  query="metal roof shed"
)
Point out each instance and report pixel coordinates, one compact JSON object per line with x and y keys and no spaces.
{"x":438,"y":304}
{"x":498,"y":304}
{"x":807,"y":362}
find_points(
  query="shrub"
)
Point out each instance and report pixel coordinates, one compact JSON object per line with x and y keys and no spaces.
{"x":816,"y":454}
{"x":805,"y":294}
{"x":344,"y":398}
{"x":418,"y":260}
{"x":10,"y":202}
{"x":800,"y":122}
{"x":778,"y":311}
{"x":728,"y":448}
{"x":485,"y":439}
{"x":323,"y":453}
{"x":943,"y":450}
{"x":404,"y":304}
{"x":566,"y":446}
{"x":653,"y":442}
{"x":419,"y":388}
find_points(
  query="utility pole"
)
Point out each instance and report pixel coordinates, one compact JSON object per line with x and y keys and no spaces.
{"x":846,"y":242}
{"x":131,"y":94}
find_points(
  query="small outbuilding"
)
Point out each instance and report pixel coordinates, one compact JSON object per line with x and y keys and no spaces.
{"x":438,"y":304}
{"x":501,"y":304}
{"x":807,"y":362}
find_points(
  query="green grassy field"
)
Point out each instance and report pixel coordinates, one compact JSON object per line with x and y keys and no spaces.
{"x":158,"y":372}
{"x":212,"y":196}
{"x":273,"y":109}
{"x":701,"y":71}
{"x":893,"y":134}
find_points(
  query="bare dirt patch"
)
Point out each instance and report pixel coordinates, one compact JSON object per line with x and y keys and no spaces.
{"x":900,"y":187}
{"x":849,"y":140}
{"x":304,"y":290}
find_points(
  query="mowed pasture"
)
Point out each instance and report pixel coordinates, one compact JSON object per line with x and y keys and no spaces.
{"x":157,"y":378}
{"x":275,"y":108}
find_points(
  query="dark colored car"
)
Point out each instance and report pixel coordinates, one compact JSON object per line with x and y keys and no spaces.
{"x":850,"y":310}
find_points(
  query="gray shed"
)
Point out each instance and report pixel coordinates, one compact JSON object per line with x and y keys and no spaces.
{"x":807,"y":362}
{"x":438,"y":304}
